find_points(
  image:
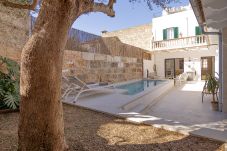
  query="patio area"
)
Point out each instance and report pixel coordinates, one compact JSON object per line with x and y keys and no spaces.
{"x":179,"y":110}
{"x":184,"y":106}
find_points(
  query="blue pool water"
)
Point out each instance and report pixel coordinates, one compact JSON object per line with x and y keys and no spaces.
{"x":139,"y":86}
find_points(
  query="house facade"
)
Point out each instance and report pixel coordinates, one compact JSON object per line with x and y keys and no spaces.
{"x":180,"y":47}
{"x":176,"y":44}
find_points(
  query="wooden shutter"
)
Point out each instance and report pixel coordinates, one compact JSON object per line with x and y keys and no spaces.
{"x":198,"y":30}
{"x":176,"y":32}
{"x":164,"y":34}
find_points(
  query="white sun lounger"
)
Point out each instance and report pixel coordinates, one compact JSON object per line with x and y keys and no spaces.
{"x":76,"y":89}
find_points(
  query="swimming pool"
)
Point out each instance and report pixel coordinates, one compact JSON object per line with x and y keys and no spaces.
{"x":136,"y":87}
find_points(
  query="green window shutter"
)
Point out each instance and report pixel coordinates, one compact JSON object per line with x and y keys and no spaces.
{"x":176,"y":32}
{"x":164,"y":34}
{"x":198,"y":30}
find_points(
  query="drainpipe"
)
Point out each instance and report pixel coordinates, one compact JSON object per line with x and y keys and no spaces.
{"x":219,"y":34}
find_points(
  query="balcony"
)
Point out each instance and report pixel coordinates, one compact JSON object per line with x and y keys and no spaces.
{"x":180,"y":43}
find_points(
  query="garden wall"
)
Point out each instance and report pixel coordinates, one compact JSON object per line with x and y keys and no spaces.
{"x":104,"y":59}
{"x":91,"y":67}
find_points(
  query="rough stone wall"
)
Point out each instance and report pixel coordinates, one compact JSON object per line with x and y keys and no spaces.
{"x":91,"y":67}
{"x":112,"y":46}
{"x":138,"y":36}
{"x":13,"y":31}
{"x":104,"y":59}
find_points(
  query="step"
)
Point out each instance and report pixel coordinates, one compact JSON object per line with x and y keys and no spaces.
{"x":211,"y":134}
{"x":138,"y":108}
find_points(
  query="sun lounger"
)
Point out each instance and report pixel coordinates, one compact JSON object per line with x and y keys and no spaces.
{"x":75,"y":87}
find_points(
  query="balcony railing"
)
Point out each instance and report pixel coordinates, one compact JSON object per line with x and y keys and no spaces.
{"x":179,"y":43}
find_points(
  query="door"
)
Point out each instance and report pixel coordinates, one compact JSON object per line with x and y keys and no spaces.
{"x":207,"y":67}
{"x":179,"y":66}
{"x":174,"y":67}
{"x":170,"y":68}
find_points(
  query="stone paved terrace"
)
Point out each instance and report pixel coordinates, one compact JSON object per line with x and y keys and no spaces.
{"x":180,"y":110}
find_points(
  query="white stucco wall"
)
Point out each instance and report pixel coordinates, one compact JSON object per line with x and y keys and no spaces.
{"x":195,"y":57}
{"x":224,"y":84}
{"x":148,"y":65}
{"x":185,"y":21}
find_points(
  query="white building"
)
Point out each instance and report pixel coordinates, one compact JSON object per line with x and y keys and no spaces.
{"x":179,"y":46}
{"x":176,"y":44}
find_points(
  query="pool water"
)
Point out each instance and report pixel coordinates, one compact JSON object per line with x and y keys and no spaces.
{"x":139,"y":86}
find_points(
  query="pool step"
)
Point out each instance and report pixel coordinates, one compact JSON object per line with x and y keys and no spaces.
{"x":145,"y":103}
{"x":138,"y":108}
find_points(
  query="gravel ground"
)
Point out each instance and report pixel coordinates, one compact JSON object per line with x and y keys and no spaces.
{"x":86,"y":130}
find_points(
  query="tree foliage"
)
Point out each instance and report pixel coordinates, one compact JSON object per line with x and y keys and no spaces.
{"x":150,"y":3}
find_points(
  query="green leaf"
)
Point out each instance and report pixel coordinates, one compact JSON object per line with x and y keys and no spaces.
{"x":11,"y":101}
{"x":9,"y":85}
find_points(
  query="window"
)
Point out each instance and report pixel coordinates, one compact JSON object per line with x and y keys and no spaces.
{"x":181,"y":64}
{"x":170,"y":33}
{"x":205,"y":63}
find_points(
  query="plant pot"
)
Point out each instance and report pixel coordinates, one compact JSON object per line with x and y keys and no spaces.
{"x":214,"y":106}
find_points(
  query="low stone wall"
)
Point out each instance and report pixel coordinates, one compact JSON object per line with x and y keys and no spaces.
{"x":91,"y":67}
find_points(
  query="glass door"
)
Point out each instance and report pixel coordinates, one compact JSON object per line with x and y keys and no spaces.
{"x":174,"y":67}
{"x":170,"y":68}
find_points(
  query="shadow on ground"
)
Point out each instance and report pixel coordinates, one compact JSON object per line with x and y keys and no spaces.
{"x":86,"y":130}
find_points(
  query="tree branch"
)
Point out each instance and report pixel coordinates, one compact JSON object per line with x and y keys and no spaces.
{"x":106,"y":9}
{"x":20,"y":6}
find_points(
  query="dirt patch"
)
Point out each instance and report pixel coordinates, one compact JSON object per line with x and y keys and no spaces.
{"x":91,"y":131}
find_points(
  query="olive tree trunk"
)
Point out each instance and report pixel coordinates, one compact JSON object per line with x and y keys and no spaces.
{"x":41,"y":125}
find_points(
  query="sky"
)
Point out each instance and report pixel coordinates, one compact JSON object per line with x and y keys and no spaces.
{"x":127,"y":15}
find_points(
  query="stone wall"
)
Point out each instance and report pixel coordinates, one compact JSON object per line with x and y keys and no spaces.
{"x":100,"y":59}
{"x":91,"y":67}
{"x":138,"y":36}
{"x":111,"y":46}
{"x":13,"y":31}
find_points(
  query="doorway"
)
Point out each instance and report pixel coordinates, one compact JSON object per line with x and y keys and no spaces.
{"x":207,"y":67}
{"x":174,"y":67}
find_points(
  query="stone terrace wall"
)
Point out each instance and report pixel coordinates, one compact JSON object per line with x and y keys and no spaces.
{"x":91,"y":67}
{"x":138,"y":36}
{"x":112,"y":46}
{"x":13,"y":31}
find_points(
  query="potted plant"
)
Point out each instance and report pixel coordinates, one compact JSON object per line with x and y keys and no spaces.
{"x":212,"y":87}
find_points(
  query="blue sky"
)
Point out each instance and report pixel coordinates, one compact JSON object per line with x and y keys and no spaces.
{"x":127,"y":15}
